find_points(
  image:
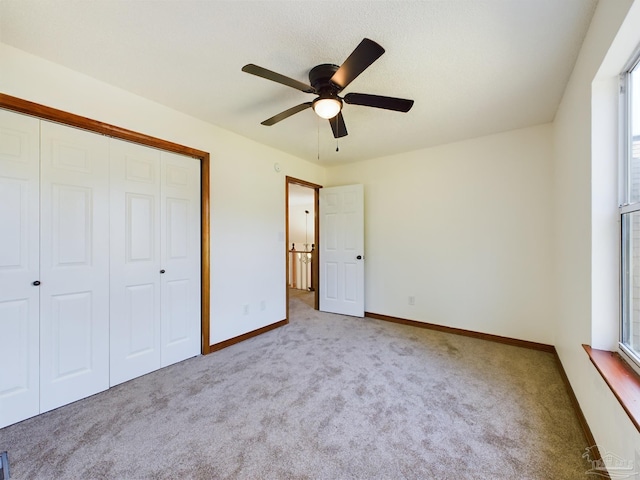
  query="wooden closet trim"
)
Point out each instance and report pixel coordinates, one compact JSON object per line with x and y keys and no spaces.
{"x":47,"y":113}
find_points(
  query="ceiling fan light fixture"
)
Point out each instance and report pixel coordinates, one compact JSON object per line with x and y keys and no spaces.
{"x":327,"y":107}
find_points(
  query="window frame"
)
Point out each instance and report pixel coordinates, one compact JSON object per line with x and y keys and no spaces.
{"x":625,"y":205}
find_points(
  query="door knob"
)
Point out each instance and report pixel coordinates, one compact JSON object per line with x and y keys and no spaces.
{"x":162,"y":271}
{"x":359,"y":257}
{"x":36,"y":283}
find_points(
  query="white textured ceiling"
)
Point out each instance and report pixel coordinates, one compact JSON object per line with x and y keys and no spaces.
{"x":473,"y":67}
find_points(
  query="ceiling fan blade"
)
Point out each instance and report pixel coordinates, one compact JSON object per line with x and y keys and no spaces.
{"x":286,"y":114}
{"x":276,"y":77}
{"x":388,"y":103}
{"x":364,"y":55}
{"x":338,"y":126}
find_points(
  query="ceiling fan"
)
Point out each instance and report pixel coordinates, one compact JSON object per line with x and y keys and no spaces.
{"x":327,"y":81}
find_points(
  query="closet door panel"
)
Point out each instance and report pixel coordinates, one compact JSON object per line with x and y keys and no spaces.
{"x":135,"y":261}
{"x":180,"y":258}
{"x":19,"y":267}
{"x":74,"y":307}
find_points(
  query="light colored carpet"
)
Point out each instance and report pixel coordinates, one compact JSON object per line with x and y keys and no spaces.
{"x":326,"y":397}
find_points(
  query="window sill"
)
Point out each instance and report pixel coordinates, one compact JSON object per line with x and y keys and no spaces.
{"x":623,"y":381}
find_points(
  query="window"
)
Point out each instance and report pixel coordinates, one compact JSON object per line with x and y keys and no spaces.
{"x":630,"y":211}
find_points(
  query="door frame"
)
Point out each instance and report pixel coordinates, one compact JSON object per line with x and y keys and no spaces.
{"x":47,"y":113}
{"x":315,"y":274}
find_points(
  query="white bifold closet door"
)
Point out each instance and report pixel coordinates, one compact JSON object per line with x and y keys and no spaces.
{"x":180,"y":257}
{"x":74,"y":265}
{"x":135,"y":261}
{"x":155,"y":259}
{"x":19,"y":267}
{"x":99,"y":263}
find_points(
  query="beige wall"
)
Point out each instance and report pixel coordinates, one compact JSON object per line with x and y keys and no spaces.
{"x":585,"y":224}
{"x":465,"y":228}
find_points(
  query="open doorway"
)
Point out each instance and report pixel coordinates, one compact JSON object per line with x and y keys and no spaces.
{"x":302,"y":241}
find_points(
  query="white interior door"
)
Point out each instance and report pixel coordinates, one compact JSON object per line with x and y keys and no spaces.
{"x":135,"y":261}
{"x":19,"y":267}
{"x":74,"y":265}
{"x":180,"y":247}
{"x":342,"y":250}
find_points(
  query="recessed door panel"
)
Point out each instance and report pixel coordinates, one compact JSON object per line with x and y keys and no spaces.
{"x":142,"y":319}
{"x":330,"y":232}
{"x":74,"y":267}
{"x":350,"y":282}
{"x":14,"y":140}
{"x":331,"y":202}
{"x":67,"y":154}
{"x":178,"y":302}
{"x":178,"y":176}
{"x":177,"y":228}
{"x":352,"y":241}
{"x":140,"y":168}
{"x":331,"y":281}
{"x":19,"y":267}
{"x":141,"y":232}
{"x":72,"y":212}
{"x":70,"y":338}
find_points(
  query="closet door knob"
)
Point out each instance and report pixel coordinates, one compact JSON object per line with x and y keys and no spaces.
{"x":36,"y":283}
{"x":162,"y":271}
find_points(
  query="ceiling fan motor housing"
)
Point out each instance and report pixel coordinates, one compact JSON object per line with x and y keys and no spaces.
{"x":320,"y":79}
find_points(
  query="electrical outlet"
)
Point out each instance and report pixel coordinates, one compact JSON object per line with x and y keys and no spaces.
{"x":245,"y":310}
{"x":412,"y":300}
{"x":263,"y":305}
